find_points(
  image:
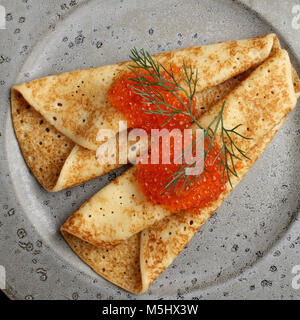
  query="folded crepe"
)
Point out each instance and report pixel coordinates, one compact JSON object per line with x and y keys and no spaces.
{"x":129,"y":241}
{"x":57,"y":118}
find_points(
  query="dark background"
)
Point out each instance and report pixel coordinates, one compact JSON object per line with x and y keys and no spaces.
{"x":3,"y":297}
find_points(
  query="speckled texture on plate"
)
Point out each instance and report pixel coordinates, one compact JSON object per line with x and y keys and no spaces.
{"x":246,"y":250}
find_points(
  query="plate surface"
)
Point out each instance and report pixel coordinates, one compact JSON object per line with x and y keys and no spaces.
{"x":246,"y":250}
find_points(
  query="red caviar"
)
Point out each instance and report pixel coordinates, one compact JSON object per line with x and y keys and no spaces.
{"x":132,"y":106}
{"x":153,"y":177}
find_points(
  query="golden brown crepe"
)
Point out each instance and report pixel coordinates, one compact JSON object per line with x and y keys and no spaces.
{"x":150,"y":237}
{"x":55,"y":160}
{"x":57,"y":118}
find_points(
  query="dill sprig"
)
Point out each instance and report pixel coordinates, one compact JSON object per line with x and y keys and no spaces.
{"x":149,"y":76}
{"x":152,"y":76}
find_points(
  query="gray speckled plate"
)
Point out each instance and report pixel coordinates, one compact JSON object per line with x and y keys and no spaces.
{"x":246,"y":250}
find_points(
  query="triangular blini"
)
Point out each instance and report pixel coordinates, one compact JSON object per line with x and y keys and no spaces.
{"x":120,"y":209}
{"x":262,"y":102}
{"x":74,"y":106}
